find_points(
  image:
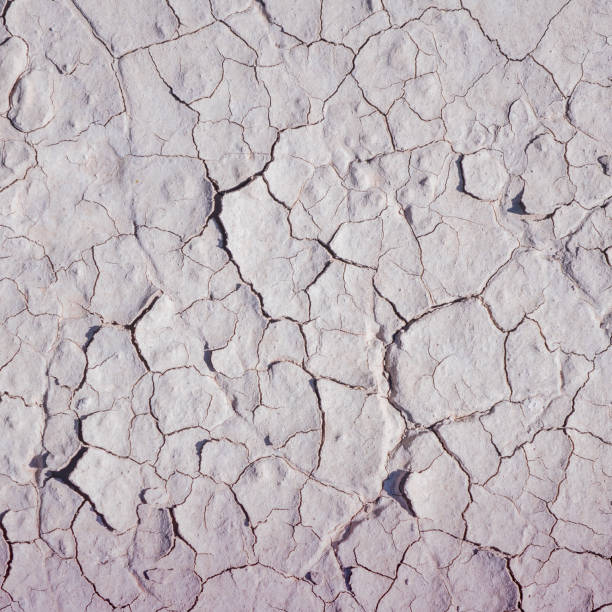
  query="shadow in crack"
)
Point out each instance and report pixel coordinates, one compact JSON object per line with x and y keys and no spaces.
{"x":199,"y":446}
{"x":517,"y":204}
{"x":394,"y":486}
{"x":461,"y":183}
{"x":39,"y":461}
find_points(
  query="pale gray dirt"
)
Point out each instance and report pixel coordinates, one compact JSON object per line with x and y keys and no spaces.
{"x":305,"y":305}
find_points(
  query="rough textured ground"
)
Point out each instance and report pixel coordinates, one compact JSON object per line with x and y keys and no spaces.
{"x":305,"y":305}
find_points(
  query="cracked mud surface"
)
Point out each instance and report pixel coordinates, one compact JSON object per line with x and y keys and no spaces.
{"x":305,"y":305}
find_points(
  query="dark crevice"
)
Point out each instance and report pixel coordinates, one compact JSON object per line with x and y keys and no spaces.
{"x":9,"y":561}
{"x":132,"y":329}
{"x":63,"y":476}
{"x":516,"y":204}
{"x":605,"y":162}
{"x":89,"y":336}
{"x":175,"y":527}
{"x":394,"y":486}
{"x":347,"y":572}
{"x":519,"y":603}
{"x":459,"y":164}
{"x":215,"y":216}
{"x":6,"y":4}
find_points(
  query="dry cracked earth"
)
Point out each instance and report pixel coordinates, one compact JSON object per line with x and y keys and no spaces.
{"x":305,"y":305}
